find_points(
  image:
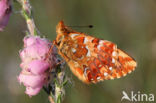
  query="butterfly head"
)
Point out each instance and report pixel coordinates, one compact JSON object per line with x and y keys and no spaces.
{"x":62,"y":32}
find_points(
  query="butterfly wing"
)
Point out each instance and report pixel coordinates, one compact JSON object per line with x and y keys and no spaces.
{"x":92,"y":59}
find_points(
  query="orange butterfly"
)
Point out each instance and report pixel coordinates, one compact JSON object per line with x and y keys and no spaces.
{"x":92,"y":59}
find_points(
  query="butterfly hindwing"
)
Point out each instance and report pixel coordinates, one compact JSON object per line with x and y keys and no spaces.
{"x":92,"y":59}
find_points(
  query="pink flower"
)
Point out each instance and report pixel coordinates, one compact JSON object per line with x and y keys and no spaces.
{"x":33,"y":81}
{"x":35,"y":47}
{"x":32,"y":91}
{"x":5,"y":11}
{"x":30,"y":41}
{"x":38,"y":66}
{"x":35,"y":66}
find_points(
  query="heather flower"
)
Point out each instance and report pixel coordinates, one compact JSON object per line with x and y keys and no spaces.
{"x":5,"y":11}
{"x":32,"y":91}
{"x":36,"y":66}
{"x":33,"y":81}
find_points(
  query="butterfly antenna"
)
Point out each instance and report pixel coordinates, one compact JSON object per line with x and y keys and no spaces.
{"x":87,"y":26}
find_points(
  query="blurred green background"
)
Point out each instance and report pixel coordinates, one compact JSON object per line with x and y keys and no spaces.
{"x":131,"y":24}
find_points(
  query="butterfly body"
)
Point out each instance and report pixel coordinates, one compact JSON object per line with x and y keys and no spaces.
{"x":92,"y":59}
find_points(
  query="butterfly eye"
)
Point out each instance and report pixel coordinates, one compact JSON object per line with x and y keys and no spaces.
{"x":59,"y":39}
{"x":58,"y":43}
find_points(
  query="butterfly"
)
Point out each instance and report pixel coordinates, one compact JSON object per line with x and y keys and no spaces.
{"x":92,"y":59}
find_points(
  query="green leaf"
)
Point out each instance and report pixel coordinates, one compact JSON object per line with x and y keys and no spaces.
{"x":65,"y":82}
{"x":59,"y":99}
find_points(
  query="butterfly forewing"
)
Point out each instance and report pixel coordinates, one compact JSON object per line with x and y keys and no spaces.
{"x":92,"y":59}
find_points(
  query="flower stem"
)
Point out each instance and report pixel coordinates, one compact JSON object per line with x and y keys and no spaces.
{"x":58,"y":84}
{"x":27,"y":14}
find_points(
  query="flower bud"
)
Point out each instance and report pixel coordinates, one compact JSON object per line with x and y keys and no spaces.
{"x":5,"y":11}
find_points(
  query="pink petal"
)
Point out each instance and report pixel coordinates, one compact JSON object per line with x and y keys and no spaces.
{"x":22,"y":54}
{"x":38,"y":66}
{"x":32,"y":91}
{"x":29,"y":40}
{"x":37,"y":50}
{"x":32,"y":80}
{"x":22,"y":65}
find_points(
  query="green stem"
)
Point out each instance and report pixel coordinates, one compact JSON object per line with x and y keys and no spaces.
{"x":27,"y":14}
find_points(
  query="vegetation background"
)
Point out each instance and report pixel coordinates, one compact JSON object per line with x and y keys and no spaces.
{"x":131,"y":24}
